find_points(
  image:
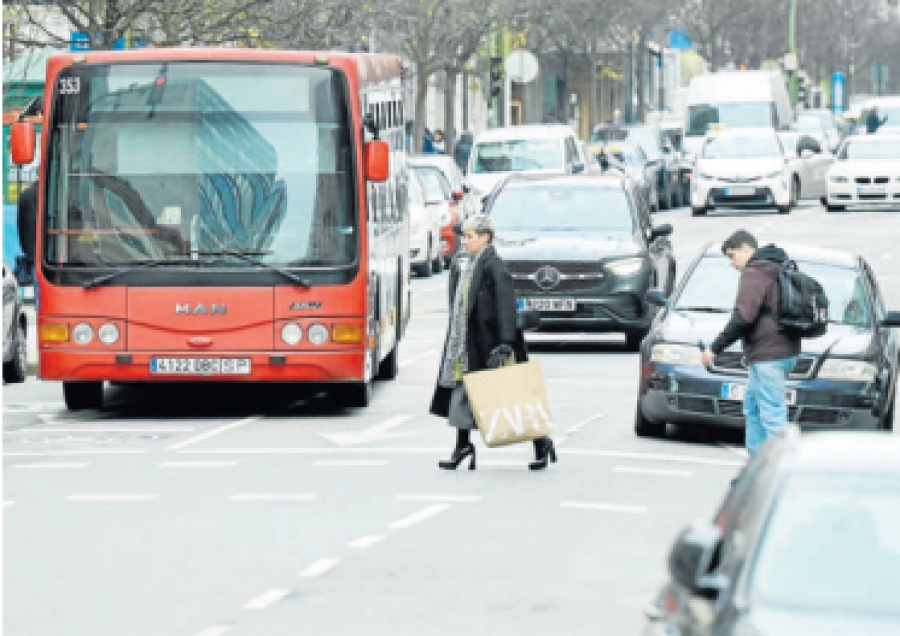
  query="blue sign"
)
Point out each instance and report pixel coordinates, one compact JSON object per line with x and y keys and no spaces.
{"x":680,"y":39}
{"x":79,"y":41}
{"x":838,"y":93}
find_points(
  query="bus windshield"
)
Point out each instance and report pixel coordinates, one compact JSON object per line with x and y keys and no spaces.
{"x":736,"y":115}
{"x":184,"y":160}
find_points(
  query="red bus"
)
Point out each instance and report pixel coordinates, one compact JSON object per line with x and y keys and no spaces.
{"x":221,"y":215}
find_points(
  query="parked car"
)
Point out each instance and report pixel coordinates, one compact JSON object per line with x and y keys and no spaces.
{"x":424,"y":230}
{"x":466,"y":205}
{"x":15,"y":331}
{"x":866,"y":172}
{"x":833,"y":129}
{"x":743,"y":168}
{"x":659,"y":152}
{"x":805,"y":542}
{"x":439,"y":194}
{"x":809,"y":164}
{"x":814,"y":127}
{"x":630,"y":156}
{"x":846,"y":379}
{"x":582,"y":250}
{"x":673,"y":130}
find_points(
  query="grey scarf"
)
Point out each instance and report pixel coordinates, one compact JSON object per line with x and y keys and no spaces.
{"x":459,"y":322}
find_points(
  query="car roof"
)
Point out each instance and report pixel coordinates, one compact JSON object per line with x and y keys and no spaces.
{"x":527,"y":131}
{"x":871,"y":139}
{"x":846,"y":452}
{"x":745,"y":132}
{"x":604,"y":179}
{"x":801,"y":253}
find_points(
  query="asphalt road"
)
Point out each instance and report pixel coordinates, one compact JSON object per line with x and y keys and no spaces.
{"x":263,"y":511}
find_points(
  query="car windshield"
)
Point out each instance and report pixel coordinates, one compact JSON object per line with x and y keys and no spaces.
{"x":517,"y":155}
{"x":741,"y":148}
{"x":870,"y":150}
{"x":434,"y":183}
{"x":789,"y":143}
{"x":167,"y":161}
{"x":714,"y":284}
{"x":644,"y":137}
{"x":892,"y":113}
{"x":737,"y":115}
{"x":561,"y":207}
{"x":832,"y":543}
{"x":629,"y":155}
{"x":809,"y":125}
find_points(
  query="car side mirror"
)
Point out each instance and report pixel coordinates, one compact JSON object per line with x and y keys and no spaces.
{"x":22,"y":143}
{"x":377,"y":160}
{"x":466,"y":188}
{"x":664,"y":229}
{"x":528,"y":320}
{"x":458,"y":195}
{"x":656,"y":297}
{"x":892,"y":319}
{"x":694,"y":558}
{"x":577,"y":168}
{"x":458,"y":229}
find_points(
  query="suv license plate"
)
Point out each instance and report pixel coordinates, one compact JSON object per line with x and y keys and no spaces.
{"x":740,"y":191}
{"x":200,"y":366}
{"x":547,"y":304}
{"x":738,"y":392}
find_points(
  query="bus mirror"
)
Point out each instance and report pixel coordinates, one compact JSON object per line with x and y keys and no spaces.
{"x":21,"y":142}
{"x":377,"y":160}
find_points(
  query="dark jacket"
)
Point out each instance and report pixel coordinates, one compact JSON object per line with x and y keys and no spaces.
{"x":755,"y":316}
{"x":462,"y":151}
{"x":27,"y":221}
{"x":492,"y":319}
{"x":873,"y":123}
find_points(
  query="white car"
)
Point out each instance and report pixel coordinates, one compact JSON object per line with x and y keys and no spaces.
{"x":466,"y":205}
{"x":809,"y":164}
{"x":743,"y":168}
{"x":812,"y":125}
{"x":15,"y":341}
{"x":439,"y":195}
{"x":829,"y":123}
{"x":889,"y":110}
{"x":867,"y":172}
{"x":424,"y":231}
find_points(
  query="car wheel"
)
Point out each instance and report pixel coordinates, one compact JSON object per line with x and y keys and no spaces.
{"x":355,"y":394}
{"x":647,"y":428}
{"x":664,"y":198}
{"x":16,"y":370}
{"x":676,"y":198}
{"x":824,"y":202}
{"x":633,"y":339}
{"x":437,"y":265}
{"x":83,"y":395}
{"x":796,"y":193}
{"x":698,"y":211}
{"x":390,"y":366}
{"x":835,"y":208}
{"x":887,"y":420}
{"x":427,"y":268}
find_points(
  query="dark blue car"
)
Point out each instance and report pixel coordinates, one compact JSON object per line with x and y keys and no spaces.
{"x":846,"y":379}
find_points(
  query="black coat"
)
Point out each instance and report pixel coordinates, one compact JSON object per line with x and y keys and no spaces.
{"x":492,"y":320}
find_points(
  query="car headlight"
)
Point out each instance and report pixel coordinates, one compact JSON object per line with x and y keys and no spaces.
{"x":626,"y":266}
{"x":108,"y":334}
{"x":82,"y":333}
{"x":839,"y":179}
{"x":774,"y":175}
{"x":847,"y":370}
{"x":686,"y":355}
{"x":318,"y":334}
{"x":291,"y":334}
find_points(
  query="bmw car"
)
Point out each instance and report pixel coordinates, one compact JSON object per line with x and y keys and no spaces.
{"x":867,"y":172}
{"x":846,"y":379}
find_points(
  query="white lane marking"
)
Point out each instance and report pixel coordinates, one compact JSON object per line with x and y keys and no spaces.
{"x":7,"y":504}
{"x":266,"y":599}
{"x":78,"y":429}
{"x":216,"y":431}
{"x":586,"y":505}
{"x":652,"y":471}
{"x":420,"y":356}
{"x":272,"y":497}
{"x":66,"y":453}
{"x":111,"y":498}
{"x":350,"y":462}
{"x":215,"y":630}
{"x":573,"y":337}
{"x":653,"y":457}
{"x":375,"y":433}
{"x":320,"y":567}
{"x":201,"y":464}
{"x":55,"y":465}
{"x":31,"y":408}
{"x":740,"y":452}
{"x":422,"y":515}
{"x":885,"y":256}
{"x":579,"y":426}
{"x":441,"y":498}
{"x":365,"y":542}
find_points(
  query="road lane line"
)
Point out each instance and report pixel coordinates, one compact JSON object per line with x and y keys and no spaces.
{"x":7,"y":504}
{"x":440,"y":498}
{"x":111,"y":498}
{"x":350,"y":462}
{"x":653,"y":457}
{"x":604,"y":507}
{"x":320,"y":567}
{"x":652,"y":471}
{"x":266,"y":599}
{"x":577,"y":427}
{"x":422,"y":515}
{"x":216,"y":431}
{"x":215,"y":630}
{"x":54,"y":465}
{"x":272,"y":497}
{"x":365,"y":542}
{"x":67,"y":453}
{"x":200,"y":464}
{"x":740,"y":452}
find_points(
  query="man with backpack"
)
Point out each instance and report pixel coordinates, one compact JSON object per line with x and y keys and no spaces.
{"x":769,"y":350}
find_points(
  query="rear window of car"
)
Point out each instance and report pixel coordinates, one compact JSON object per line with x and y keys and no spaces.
{"x":538,"y":207}
{"x":434,"y":182}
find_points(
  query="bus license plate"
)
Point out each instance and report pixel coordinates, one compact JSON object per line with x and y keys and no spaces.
{"x":738,"y":392}
{"x":547,"y":304}
{"x":740,"y":191}
{"x":200,"y":366}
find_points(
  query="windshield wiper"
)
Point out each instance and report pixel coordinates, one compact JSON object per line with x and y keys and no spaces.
{"x":705,"y":310}
{"x":105,"y":278}
{"x":247,"y":256}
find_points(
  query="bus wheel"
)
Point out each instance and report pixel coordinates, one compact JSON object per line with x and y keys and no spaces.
{"x":390,"y":366}
{"x":356,"y":394}
{"x":83,"y":395}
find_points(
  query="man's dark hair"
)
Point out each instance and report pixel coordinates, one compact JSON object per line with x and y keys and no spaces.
{"x":736,"y":240}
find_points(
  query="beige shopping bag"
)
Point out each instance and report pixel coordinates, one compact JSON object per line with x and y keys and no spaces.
{"x":510,"y":403}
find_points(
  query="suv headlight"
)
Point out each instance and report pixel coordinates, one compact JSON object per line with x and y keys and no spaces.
{"x":847,"y":370}
{"x":839,"y":179}
{"x":626,"y":266}
{"x":686,"y":355}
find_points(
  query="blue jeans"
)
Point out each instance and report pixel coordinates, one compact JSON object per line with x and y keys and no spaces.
{"x":765,"y":406}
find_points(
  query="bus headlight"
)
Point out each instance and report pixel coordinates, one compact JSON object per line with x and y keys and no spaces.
{"x":317,"y":334}
{"x":108,"y":334}
{"x":82,"y":333}
{"x":291,"y":334}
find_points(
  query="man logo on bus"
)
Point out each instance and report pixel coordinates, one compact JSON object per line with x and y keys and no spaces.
{"x":200,"y":310}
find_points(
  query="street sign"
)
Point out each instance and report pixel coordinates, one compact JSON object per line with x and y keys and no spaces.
{"x":680,"y":39}
{"x":837,"y":92}
{"x":790,"y":61}
{"x":521,"y":66}
{"x":79,"y":41}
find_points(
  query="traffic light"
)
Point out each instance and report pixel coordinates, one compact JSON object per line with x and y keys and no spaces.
{"x":496,"y":77}
{"x":803,"y":92}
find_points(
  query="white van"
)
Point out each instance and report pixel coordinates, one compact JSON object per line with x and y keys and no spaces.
{"x":734,"y":99}
{"x":531,"y":149}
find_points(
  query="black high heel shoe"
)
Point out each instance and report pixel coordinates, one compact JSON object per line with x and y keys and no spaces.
{"x":546,"y":453}
{"x":459,"y":454}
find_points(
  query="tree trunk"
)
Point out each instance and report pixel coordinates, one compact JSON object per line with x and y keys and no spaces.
{"x":421,"y":109}
{"x":450,"y":112}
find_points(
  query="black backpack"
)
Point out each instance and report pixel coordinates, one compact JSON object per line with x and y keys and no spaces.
{"x":802,"y":304}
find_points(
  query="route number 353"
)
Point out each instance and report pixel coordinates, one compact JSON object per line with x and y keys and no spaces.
{"x":69,"y":85}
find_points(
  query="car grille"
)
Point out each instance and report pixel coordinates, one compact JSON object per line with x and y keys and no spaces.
{"x":569,"y":268}
{"x":696,"y":404}
{"x":733,"y":408}
{"x":733,"y":362}
{"x":570,"y":286}
{"x":575,"y":276}
{"x":868,"y":180}
{"x":819,"y":416}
